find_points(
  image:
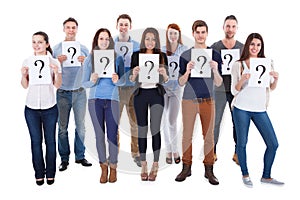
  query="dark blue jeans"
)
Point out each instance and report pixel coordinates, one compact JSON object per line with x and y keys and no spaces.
{"x":262,"y":122}
{"x":221,"y":98}
{"x":67,"y":100}
{"x":42,"y":126}
{"x":105,"y":116}
{"x":149,"y":98}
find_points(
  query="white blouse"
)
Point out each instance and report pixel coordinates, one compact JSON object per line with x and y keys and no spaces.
{"x":253,"y":99}
{"x":42,"y":96}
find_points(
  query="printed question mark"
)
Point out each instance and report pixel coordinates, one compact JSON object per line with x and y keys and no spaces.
{"x":264,"y":69}
{"x":106,"y":64}
{"x":73,"y":54}
{"x":126,"y":51}
{"x":42,"y":62}
{"x":152,"y":65}
{"x":204,"y":61}
{"x":230,"y":59}
{"x":176,"y":66}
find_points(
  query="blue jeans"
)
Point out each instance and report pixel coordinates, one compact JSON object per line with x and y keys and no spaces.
{"x":221,"y":98}
{"x":105,"y":113}
{"x":65,"y":101}
{"x":42,"y":126}
{"x":263,"y":124}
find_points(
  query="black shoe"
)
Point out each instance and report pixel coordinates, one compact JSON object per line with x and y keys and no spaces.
{"x":83,"y":162}
{"x":185,"y":172}
{"x":63,"y":166}
{"x":209,"y":174}
{"x":39,"y":182}
{"x":50,"y":181}
{"x":137,"y":160}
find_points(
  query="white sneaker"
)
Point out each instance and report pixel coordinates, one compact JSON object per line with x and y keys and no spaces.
{"x":247,"y":181}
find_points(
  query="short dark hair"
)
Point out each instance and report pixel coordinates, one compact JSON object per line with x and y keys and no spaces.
{"x":124,"y":16}
{"x":230,"y":17}
{"x":199,"y":23}
{"x":71,"y":19}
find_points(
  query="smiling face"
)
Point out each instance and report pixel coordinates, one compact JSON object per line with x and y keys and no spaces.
{"x":150,"y":41}
{"x":103,"y":40}
{"x":230,"y":28}
{"x":39,"y":45}
{"x":70,"y":29}
{"x":173,"y":35}
{"x":200,"y":35}
{"x":123,"y":26}
{"x":255,"y":47}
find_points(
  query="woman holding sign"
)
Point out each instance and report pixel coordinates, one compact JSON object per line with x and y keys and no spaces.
{"x":101,"y":76}
{"x":173,"y":48}
{"x":40,"y":110}
{"x":149,"y":71}
{"x":250,"y":104}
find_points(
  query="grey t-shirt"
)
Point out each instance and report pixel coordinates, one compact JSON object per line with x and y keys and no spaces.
{"x":218,"y":46}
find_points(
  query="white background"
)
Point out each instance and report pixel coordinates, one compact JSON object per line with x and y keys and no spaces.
{"x":276,"y":22}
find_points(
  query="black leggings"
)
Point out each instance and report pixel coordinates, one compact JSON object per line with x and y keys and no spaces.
{"x":142,"y":101}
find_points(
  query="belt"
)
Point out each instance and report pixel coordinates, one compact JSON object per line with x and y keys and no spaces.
{"x":202,"y":100}
{"x":77,"y":90}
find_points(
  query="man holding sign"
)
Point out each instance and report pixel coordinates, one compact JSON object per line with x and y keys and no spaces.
{"x":71,"y":94}
{"x":198,"y":99}
{"x":230,"y":50}
{"x":125,"y":46}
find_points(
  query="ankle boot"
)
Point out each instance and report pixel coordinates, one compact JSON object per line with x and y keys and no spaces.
{"x":104,"y":173}
{"x":209,"y":174}
{"x":112,"y":173}
{"x":186,"y":172}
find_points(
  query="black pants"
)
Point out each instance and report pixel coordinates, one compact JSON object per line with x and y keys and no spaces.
{"x":145,"y":99}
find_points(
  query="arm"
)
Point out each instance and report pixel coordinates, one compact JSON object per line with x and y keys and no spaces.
{"x":134,"y":68}
{"x":25,"y":77}
{"x":89,"y":79}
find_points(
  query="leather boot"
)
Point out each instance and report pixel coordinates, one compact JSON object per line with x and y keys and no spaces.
{"x":112,"y":173}
{"x":104,"y":172}
{"x":209,"y":174}
{"x":186,"y":172}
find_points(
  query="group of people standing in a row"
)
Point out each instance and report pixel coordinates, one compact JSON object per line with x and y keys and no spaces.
{"x":162,"y":100}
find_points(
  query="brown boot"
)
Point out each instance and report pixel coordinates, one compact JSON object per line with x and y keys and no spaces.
{"x":209,"y":174}
{"x":104,"y":173}
{"x":185,"y":172}
{"x":112,"y":173}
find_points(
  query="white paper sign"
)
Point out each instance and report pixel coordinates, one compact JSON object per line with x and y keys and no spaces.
{"x":104,"y":63}
{"x":39,"y":70}
{"x":229,"y":56}
{"x":149,"y":64}
{"x":173,"y":62}
{"x":259,"y":72}
{"x":72,"y":50}
{"x":201,"y":57}
{"x":125,"y":50}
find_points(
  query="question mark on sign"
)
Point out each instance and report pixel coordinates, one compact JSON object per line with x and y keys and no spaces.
{"x":230,"y":59}
{"x":176,"y":66}
{"x":126,"y":51}
{"x":73,"y":54}
{"x":152,"y":66}
{"x":204,"y":61}
{"x":264,"y":69}
{"x":106,"y":64}
{"x":42,"y":63}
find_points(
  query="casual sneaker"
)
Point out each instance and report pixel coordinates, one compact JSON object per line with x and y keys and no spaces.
{"x":271,"y":181}
{"x":247,"y":181}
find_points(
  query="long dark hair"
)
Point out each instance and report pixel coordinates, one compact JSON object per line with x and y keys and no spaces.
{"x":95,"y":44}
{"x":46,"y":38}
{"x":156,"y":49}
{"x":245,"y":53}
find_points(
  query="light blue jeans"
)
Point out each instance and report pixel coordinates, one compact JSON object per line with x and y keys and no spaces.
{"x":262,"y":122}
{"x":65,"y":101}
